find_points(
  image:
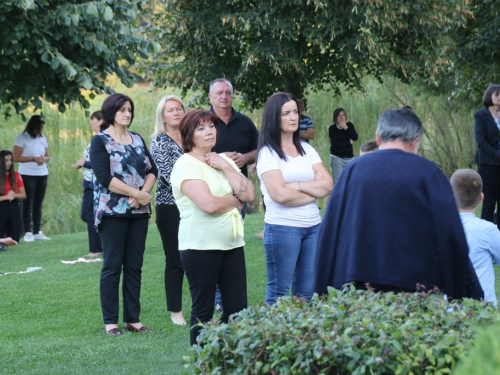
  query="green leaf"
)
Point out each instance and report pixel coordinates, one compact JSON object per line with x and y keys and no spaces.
{"x":55,"y":63}
{"x":45,"y":57}
{"x":75,"y":18}
{"x":70,"y":70}
{"x":27,"y":4}
{"x":87,"y":82}
{"x":37,"y":103}
{"x":108,"y":13}
{"x":92,"y":10}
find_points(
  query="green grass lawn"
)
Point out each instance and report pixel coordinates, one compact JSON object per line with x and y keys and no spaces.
{"x":51,"y":320}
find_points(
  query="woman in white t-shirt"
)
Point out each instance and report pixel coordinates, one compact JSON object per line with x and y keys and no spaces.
{"x":32,"y":154}
{"x":292,"y":176}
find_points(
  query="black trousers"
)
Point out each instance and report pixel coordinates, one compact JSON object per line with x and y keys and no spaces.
{"x":35,"y":187}
{"x":123,"y":241}
{"x":167,"y":221}
{"x":10,"y":219}
{"x":204,"y":270}
{"x":87,"y":215}
{"x":491,"y":190}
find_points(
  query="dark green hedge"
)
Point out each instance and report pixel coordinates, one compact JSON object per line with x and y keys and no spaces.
{"x":347,"y":332}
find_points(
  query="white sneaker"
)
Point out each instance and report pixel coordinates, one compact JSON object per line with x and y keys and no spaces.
{"x":28,"y":237}
{"x":41,"y":236}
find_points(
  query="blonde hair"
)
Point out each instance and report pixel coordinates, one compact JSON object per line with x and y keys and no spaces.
{"x":159,"y":125}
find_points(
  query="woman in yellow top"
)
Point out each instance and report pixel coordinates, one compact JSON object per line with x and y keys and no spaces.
{"x":209,"y":190}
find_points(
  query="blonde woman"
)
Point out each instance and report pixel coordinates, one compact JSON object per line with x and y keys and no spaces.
{"x":166,"y":148}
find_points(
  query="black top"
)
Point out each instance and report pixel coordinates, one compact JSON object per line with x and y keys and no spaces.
{"x":340,"y":140}
{"x":392,"y":221}
{"x":487,"y":138}
{"x":239,"y":134}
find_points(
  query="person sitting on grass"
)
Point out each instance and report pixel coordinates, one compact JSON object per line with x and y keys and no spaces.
{"x":6,"y":242}
{"x":11,"y":192}
{"x":483,"y":237}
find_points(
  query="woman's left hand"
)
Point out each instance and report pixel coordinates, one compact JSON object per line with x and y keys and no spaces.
{"x":215,"y":161}
{"x":133,"y":203}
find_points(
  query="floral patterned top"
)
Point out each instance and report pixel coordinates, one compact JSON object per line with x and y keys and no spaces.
{"x":129,"y":163}
{"x":165,"y":152}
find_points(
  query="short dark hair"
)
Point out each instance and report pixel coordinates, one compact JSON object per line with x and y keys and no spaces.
{"x":190,"y":123}
{"x":487,"y":102}
{"x":467,"y":186}
{"x":369,"y":146}
{"x":336,"y":114}
{"x":112,"y":104}
{"x":34,"y":126}
{"x":270,"y":130}
{"x":98,"y":115}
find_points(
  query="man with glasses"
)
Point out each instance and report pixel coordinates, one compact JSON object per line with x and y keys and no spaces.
{"x":238,"y":135}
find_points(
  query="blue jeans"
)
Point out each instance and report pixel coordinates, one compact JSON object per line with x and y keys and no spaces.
{"x":290,"y":257}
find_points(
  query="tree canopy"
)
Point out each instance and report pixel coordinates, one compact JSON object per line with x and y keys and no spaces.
{"x":293,"y":45}
{"x":476,"y":55}
{"x":52,"y":48}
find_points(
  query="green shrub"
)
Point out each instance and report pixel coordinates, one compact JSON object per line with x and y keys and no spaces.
{"x":347,"y":332}
{"x":484,"y":357}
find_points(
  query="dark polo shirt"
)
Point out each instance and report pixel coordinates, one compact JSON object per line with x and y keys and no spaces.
{"x":239,"y":134}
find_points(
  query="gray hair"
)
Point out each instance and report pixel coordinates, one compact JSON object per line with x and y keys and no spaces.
{"x":221,"y":80}
{"x":159,"y":125}
{"x":399,"y":124}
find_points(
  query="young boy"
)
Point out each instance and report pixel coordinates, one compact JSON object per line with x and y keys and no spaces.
{"x":368,"y":147}
{"x":483,"y":237}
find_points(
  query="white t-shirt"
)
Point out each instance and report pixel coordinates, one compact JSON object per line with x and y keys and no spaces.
{"x":32,"y":147}
{"x":293,"y":170}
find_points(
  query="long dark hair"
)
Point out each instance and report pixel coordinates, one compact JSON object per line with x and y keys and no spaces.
{"x":4,"y":172}
{"x":34,"y":126}
{"x":270,"y":130}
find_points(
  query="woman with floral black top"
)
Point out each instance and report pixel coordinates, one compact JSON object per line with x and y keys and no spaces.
{"x":124,"y":173}
{"x":166,"y":149}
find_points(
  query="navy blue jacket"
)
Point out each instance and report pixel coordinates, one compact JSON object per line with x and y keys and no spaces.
{"x":487,"y":138}
{"x":392,"y":221}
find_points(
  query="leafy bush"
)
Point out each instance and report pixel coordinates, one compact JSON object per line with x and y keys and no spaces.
{"x":484,"y":357}
{"x":347,"y":332}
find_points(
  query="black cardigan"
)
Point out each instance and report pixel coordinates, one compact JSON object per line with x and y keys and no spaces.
{"x":487,"y":138}
{"x":340,"y":140}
